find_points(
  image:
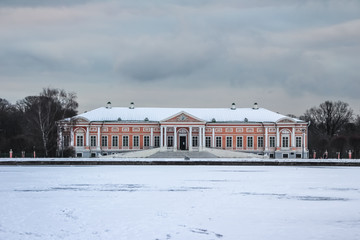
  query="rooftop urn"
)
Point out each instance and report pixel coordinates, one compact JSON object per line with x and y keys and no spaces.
{"x":132,"y":105}
{"x":233,"y":106}
{"x":256,"y":107}
{"x":108,"y":106}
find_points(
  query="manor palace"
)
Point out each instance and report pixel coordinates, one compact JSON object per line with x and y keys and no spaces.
{"x":110,"y":130}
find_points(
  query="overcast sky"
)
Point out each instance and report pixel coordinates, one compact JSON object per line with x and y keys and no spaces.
{"x":287,"y":55}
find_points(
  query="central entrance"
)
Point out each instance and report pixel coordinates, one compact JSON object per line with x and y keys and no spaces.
{"x":182,"y":142}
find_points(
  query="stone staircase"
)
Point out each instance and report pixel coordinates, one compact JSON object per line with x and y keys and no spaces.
{"x":182,"y":154}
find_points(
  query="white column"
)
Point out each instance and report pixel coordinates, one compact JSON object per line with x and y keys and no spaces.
{"x":161,"y":136}
{"x":203,"y":138}
{"x":151,"y":137}
{"x":293,"y":137}
{"x":98,"y":138}
{"x":190,"y":139}
{"x":87,"y":136}
{"x":165,"y":137}
{"x":200,"y":138}
{"x":213,"y":137}
{"x":71,"y":136}
{"x":266,"y":139}
{"x":175,"y":139}
{"x":277,"y":137}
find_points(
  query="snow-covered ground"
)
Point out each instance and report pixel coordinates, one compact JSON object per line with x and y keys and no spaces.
{"x":331,"y":160}
{"x":179,"y":202}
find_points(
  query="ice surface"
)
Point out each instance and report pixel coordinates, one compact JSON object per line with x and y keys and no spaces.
{"x":179,"y":202}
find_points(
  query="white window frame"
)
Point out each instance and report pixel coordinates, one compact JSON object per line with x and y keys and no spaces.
{"x":125,"y":141}
{"x":229,"y":141}
{"x":285,"y":141}
{"x":104,"y":139}
{"x":156,"y":141}
{"x":272,"y":144}
{"x":93,"y":141}
{"x":218,"y":142}
{"x":80,"y":140}
{"x":195,"y":141}
{"x":208,"y":142}
{"x":147,"y":141}
{"x":260,"y":139}
{"x":116,"y":141}
{"x":137,"y":141}
{"x":298,"y":142}
{"x":248,"y":141}
{"x":239,"y":142}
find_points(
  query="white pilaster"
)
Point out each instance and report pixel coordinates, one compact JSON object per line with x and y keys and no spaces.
{"x":71,"y":136}
{"x":165,"y":137}
{"x":293,"y":137}
{"x":161,"y":136}
{"x":203,"y":138}
{"x":98,"y":138}
{"x":277,"y":137}
{"x":175,"y":139}
{"x":200,"y":138}
{"x":266,"y":139}
{"x":213,"y":138}
{"x":151,"y":137}
{"x":190,"y":138}
{"x":87,"y":136}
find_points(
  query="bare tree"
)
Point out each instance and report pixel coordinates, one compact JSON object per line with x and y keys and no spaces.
{"x":42,"y":112}
{"x":329,"y":118}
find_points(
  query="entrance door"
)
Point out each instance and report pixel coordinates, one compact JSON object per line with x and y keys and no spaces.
{"x":182,"y":142}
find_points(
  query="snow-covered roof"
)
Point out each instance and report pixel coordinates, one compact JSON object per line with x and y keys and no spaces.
{"x":205,"y":114}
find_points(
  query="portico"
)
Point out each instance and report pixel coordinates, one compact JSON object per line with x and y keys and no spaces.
{"x":182,"y":137}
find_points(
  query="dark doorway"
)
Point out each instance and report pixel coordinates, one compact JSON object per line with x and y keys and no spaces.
{"x":182,"y":142}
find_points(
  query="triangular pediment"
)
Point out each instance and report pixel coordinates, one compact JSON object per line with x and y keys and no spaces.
{"x":183,"y":117}
{"x":80,"y":120}
{"x":286,"y":120}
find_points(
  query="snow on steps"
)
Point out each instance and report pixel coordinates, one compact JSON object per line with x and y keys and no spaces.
{"x":231,"y":154}
{"x":134,"y":154}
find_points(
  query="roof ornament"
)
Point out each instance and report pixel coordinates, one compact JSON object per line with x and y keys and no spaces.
{"x":119,"y":119}
{"x":132,"y":105}
{"x":233,"y":106}
{"x":256,"y":107}
{"x":146,"y":119}
{"x":246,"y":120}
{"x":108,"y":105}
{"x":213,"y":120}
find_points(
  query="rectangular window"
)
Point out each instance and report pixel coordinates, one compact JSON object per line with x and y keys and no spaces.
{"x":157,"y":141}
{"x":239,"y":142}
{"x":272,"y":142}
{"x":170,"y":142}
{"x":115,"y":141}
{"x":125,"y":141}
{"x":146,"y":141}
{"x":93,"y":141}
{"x":194,"y":141}
{"x":250,"y":142}
{"x":79,"y":141}
{"x":208,"y":142}
{"x":285,"y":142}
{"x":218,"y":142}
{"x":66,"y":140}
{"x":260,"y":142}
{"x":298,"y":142}
{"x":228,"y":142}
{"x":104,"y":141}
{"x":136,"y":141}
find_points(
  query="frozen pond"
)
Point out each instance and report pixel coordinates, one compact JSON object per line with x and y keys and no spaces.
{"x":179,"y":202}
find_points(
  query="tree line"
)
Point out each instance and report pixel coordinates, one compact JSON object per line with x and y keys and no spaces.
{"x":334,"y":129}
{"x":30,"y":125}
